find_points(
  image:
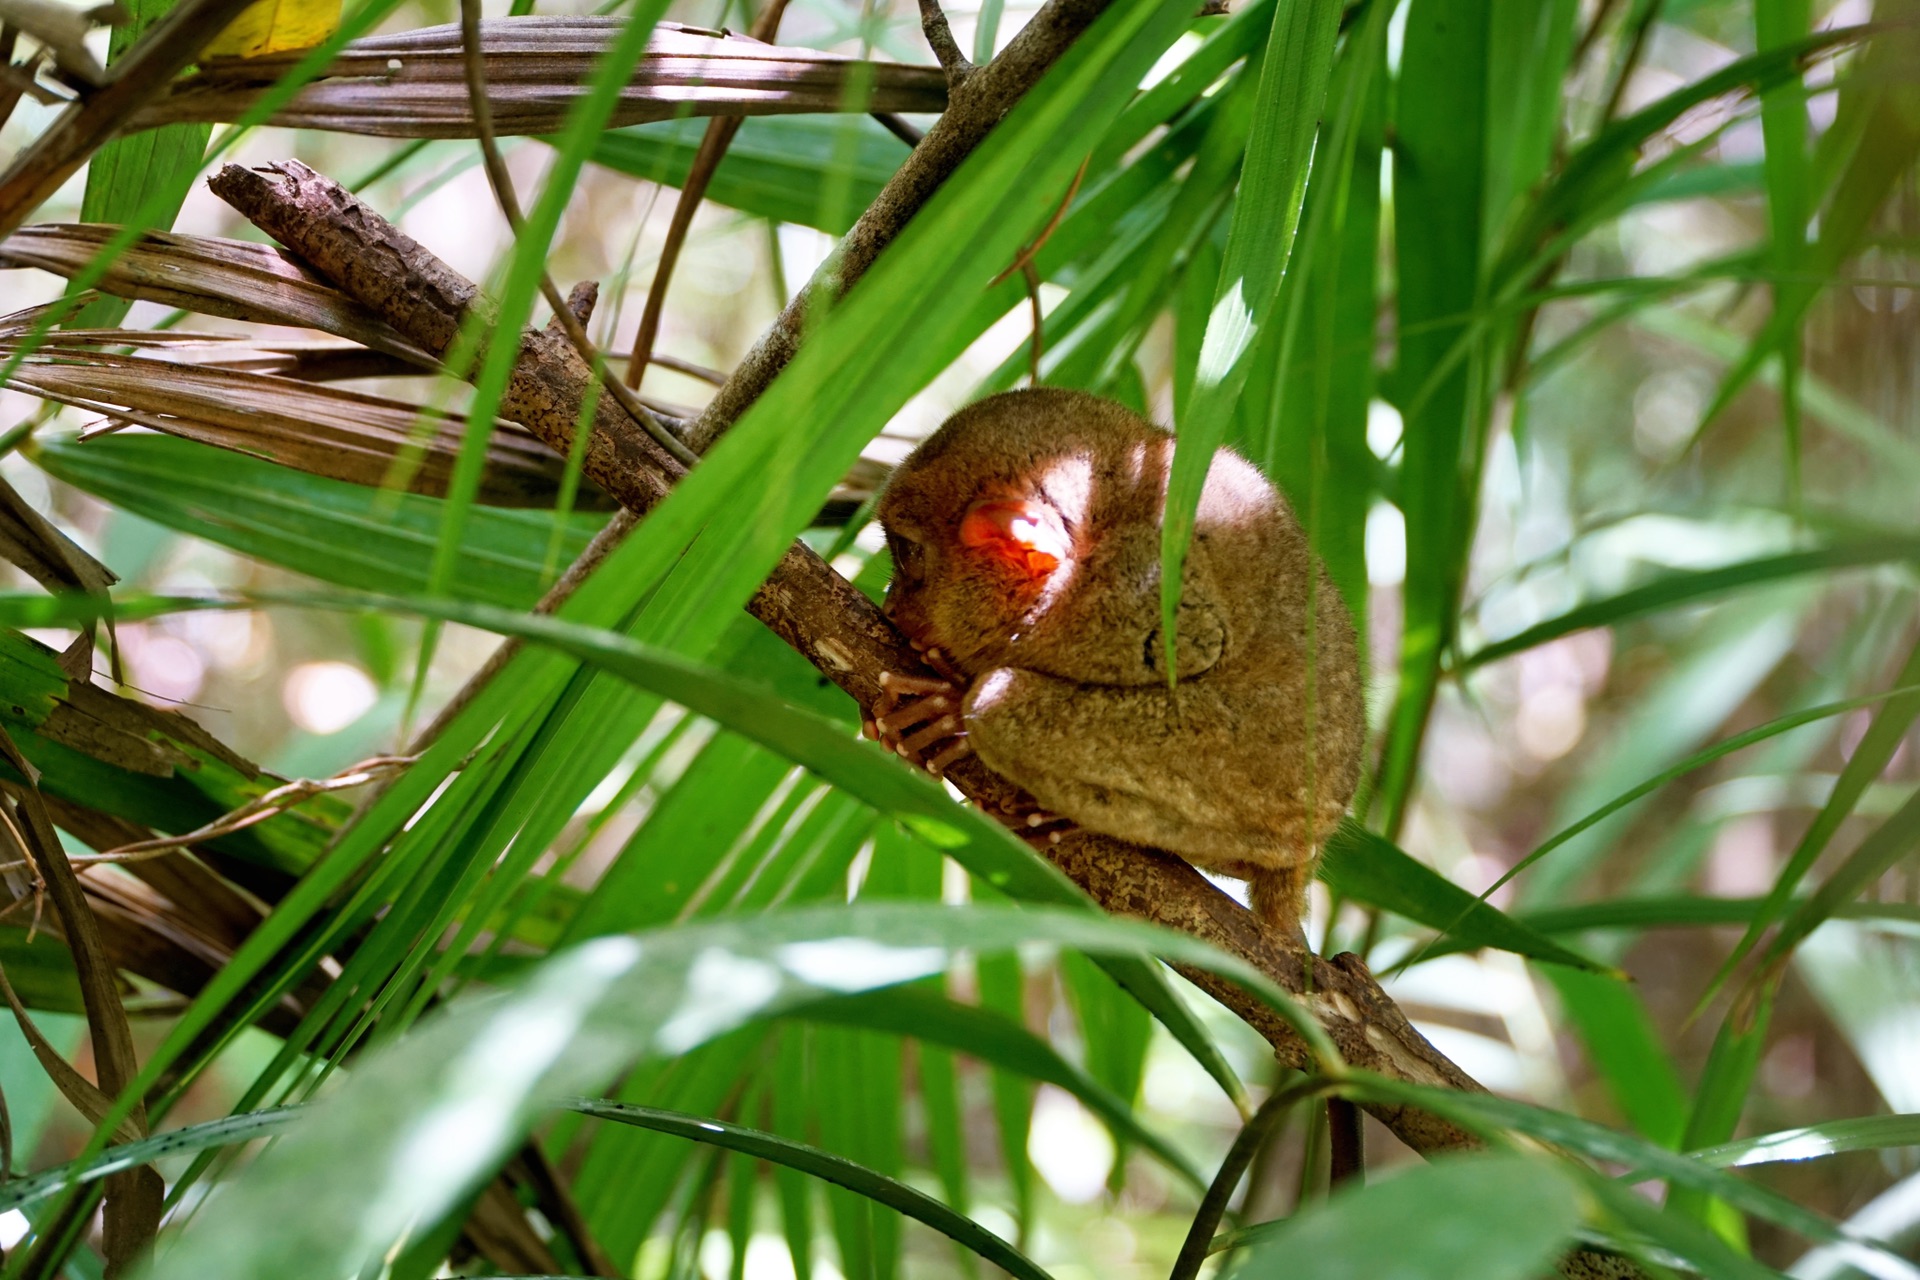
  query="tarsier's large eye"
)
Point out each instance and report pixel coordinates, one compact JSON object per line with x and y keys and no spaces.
{"x":1027,"y":535}
{"x":909,"y":562}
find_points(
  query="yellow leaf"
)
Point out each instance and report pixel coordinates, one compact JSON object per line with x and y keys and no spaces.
{"x":270,"y":26}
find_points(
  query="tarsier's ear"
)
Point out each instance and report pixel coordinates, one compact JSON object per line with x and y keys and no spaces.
{"x":1027,"y":534}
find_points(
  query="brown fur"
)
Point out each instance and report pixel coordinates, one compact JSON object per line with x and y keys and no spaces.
{"x":1248,"y":763}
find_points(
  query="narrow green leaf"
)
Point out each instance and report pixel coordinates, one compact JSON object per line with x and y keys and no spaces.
{"x":1883,"y":737}
{"x":1494,"y":1215}
{"x":1725,"y":746}
{"x":775,"y":167}
{"x":228,"y":1131}
{"x":1677,"y":1238}
{"x":1889,"y":142}
{"x":1692,"y":586}
{"x":1293,"y":87}
{"x":1440,"y":172}
{"x":1603,"y":162}
{"x":1003,"y":989}
{"x":1304,"y":420}
{"x":1783,"y":124}
{"x":1487,"y":1114}
{"x":827,"y":1167}
{"x":1366,"y":867}
{"x":340,"y":533}
{"x":138,"y":176}
{"x":1719,"y":1101}
{"x":1891,"y":841}
{"x":1623,"y":1044}
{"x":1679,"y":911}
{"x":1814,"y":1142}
{"x":427,"y":1118}
{"x":857,"y":1106}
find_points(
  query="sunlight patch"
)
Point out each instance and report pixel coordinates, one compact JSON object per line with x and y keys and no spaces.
{"x":1230,"y":330}
{"x":723,"y":990}
{"x":856,"y":964}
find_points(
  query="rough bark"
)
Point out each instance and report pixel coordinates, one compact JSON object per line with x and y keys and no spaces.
{"x":837,"y":629}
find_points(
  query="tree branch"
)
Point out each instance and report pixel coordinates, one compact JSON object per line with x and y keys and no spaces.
{"x":817,"y":611}
{"x":841,"y":632}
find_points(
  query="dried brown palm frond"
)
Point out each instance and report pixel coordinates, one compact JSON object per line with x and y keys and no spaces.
{"x":323,"y":430}
{"x":412,"y":84}
{"x":232,"y":279}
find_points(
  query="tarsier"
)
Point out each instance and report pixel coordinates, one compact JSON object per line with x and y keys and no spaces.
{"x":1025,"y":535}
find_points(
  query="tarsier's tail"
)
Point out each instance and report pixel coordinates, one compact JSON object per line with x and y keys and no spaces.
{"x":1278,"y":896}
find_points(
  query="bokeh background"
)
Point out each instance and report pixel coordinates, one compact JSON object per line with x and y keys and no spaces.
{"x":1596,"y":477}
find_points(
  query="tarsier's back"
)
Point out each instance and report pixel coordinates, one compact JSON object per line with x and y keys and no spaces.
{"x":1026,"y":535}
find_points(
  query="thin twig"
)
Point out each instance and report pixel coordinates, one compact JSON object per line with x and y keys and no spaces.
{"x":1592,"y":33}
{"x":706,"y":161}
{"x":933,"y":21}
{"x":898,"y":127}
{"x":1024,"y":258}
{"x":1252,"y":1137}
{"x":1038,"y":343}
{"x":688,"y":367}
{"x":503,"y":194}
{"x":131,"y":1215}
{"x":1636,"y":46}
{"x":254,"y":811}
{"x":1346,"y":1142}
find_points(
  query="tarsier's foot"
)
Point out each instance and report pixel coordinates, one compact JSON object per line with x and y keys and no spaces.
{"x":918,"y":718}
{"x":1278,"y":896}
{"x":1037,"y":826}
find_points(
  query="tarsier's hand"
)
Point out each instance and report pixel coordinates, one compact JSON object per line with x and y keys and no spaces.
{"x":918,"y":719}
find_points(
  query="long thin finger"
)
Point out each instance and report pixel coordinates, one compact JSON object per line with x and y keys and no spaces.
{"x":894,"y":682}
{"x":944,"y":727}
{"x":960,"y":749}
{"x":914,"y":713}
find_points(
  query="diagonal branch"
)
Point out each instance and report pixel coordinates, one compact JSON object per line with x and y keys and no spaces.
{"x":843,"y":634}
{"x":816,"y":610}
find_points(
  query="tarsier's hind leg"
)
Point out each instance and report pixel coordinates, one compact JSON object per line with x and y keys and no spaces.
{"x":1278,"y":896}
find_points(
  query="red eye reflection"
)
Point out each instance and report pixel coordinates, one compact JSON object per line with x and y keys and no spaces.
{"x":1026,"y":534}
